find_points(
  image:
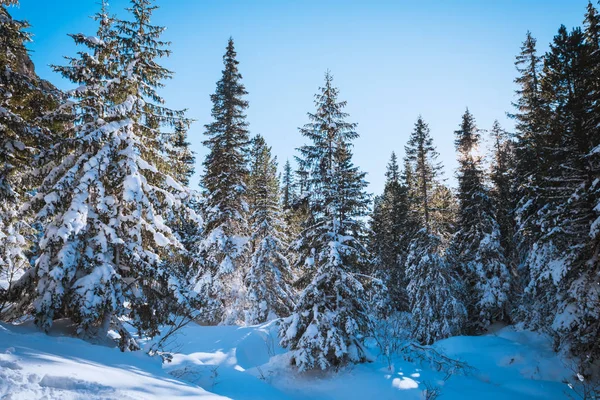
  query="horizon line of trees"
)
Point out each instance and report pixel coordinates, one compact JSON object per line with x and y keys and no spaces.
{"x":98,"y":223}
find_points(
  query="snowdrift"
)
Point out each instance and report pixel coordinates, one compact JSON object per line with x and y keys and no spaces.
{"x":247,"y":363}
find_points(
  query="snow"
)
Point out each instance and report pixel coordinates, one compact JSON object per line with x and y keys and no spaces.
{"x":34,"y":366}
{"x":247,"y":363}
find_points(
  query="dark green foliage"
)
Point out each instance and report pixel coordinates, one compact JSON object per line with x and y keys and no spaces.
{"x":390,"y":235}
{"x":331,"y":311}
{"x":476,"y":249}
{"x":223,"y":248}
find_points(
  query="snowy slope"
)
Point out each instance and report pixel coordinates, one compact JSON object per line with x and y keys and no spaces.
{"x":35,"y":366}
{"x":247,"y":363}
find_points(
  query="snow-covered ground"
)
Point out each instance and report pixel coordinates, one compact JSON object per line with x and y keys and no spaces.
{"x":247,"y":363}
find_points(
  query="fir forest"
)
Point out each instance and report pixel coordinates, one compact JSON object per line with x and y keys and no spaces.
{"x":121,"y":277}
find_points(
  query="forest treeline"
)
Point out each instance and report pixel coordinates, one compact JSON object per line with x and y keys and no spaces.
{"x":98,"y":222}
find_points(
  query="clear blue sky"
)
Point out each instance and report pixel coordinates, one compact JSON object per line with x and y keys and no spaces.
{"x":392,"y":61}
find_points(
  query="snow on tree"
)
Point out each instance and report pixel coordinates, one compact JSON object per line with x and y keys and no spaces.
{"x":476,"y":247}
{"x":434,"y":292}
{"x":26,"y":103}
{"x":424,"y":170}
{"x":289,"y":190}
{"x":330,"y":314}
{"x":268,"y":282}
{"x":106,"y":252}
{"x":502,"y":192}
{"x":295,"y":208}
{"x":391,"y":234}
{"x":564,"y":260}
{"x":437,"y":310}
{"x":222,"y":249}
{"x":530,"y":118}
{"x":182,"y":158}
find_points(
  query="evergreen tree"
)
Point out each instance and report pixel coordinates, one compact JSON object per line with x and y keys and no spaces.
{"x":223,"y":248}
{"x":502,"y":193}
{"x":390,"y":235}
{"x":433,"y":288}
{"x":331,"y":312}
{"x":444,"y":211}
{"x":437,"y":310}
{"x":106,"y":252}
{"x":564,"y":261}
{"x":289,"y":189}
{"x":182,"y":158}
{"x":294,"y":209}
{"x":531,"y":115}
{"x":27,"y":117}
{"x":476,"y":247}
{"x":269,"y":294}
{"x":424,"y":172}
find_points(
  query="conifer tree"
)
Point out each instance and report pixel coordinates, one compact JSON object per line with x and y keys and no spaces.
{"x":502,"y":191}
{"x":437,"y":308}
{"x":390,"y":235}
{"x":27,"y":116}
{"x":444,"y":211}
{"x":563,"y":262}
{"x":223,"y":248}
{"x":289,"y":188}
{"x":531,"y":115}
{"x":269,"y":293}
{"x":433,"y":286}
{"x":106,"y":252}
{"x":425,"y":170}
{"x":182,"y":158}
{"x":294,"y":207}
{"x":331,"y":312}
{"x":476,"y":247}
{"x":181,"y":163}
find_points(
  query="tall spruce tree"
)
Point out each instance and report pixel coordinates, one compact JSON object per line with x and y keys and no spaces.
{"x":564,"y":261}
{"x":476,"y":247}
{"x":294,"y":208}
{"x":434,"y":291}
{"x":106,"y":252}
{"x":288,"y":197}
{"x":425,"y":170}
{"x":390,"y":235}
{"x":223,"y":248}
{"x":331,"y":312}
{"x":268,"y":282}
{"x":502,"y":191}
{"x":531,"y":116}
{"x":182,"y":158}
{"x":27,"y":118}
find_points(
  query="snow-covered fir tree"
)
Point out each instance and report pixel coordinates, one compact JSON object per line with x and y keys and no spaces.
{"x":330,"y":314}
{"x":391,"y":234}
{"x":424,"y":170}
{"x":476,"y":246}
{"x":530,"y":117}
{"x":288,"y":195}
{"x":106,"y":252}
{"x":563,"y":261}
{"x":182,"y":159}
{"x":444,"y":211}
{"x":502,"y":191}
{"x":294,"y":208}
{"x":437,"y":308}
{"x":268,"y":281}
{"x":223,"y":248}
{"x":26,"y":103}
{"x":434,"y":291}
